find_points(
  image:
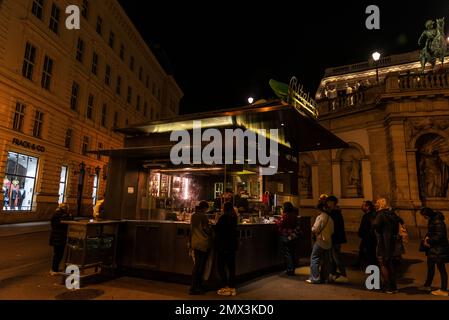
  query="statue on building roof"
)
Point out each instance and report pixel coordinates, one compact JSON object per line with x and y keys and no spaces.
{"x":435,"y":43}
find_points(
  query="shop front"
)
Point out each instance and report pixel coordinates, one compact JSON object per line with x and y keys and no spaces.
{"x":154,"y":193}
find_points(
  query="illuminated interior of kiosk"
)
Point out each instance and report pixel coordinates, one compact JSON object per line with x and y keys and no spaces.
{"x":174,"y":193}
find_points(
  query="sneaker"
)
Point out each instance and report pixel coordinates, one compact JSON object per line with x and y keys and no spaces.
{"x":224,"y":291}
{"x":331,"y":278}
{"x":439,"y":292}
{"x":310,"y":281}
{"x":342,"y":279}
{"x":53,"y":273}
{"x":391,"y":291}
{"x":233,"y":291}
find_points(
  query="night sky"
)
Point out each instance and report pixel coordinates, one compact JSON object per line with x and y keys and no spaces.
{"x":222,"y":52}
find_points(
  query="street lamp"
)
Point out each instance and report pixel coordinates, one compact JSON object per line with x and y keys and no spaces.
{"x":82,"y":172}
{"x":250,"y":100}
{"x":376,"y":57}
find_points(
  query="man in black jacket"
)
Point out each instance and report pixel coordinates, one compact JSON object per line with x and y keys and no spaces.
{"x":58,"y":235}
{"x":338,"y":269}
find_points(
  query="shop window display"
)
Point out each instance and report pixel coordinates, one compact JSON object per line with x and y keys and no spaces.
{"x":19,"y":182}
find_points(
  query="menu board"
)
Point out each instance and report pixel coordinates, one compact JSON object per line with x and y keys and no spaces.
{"x":154,"y":184}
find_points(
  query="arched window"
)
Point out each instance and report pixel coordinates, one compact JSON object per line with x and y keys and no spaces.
{"x":433,"y":166}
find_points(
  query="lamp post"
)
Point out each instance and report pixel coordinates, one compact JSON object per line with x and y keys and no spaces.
{"x":250,"y":100}
{"x":376,"y":57}
{"x":82,"y":173}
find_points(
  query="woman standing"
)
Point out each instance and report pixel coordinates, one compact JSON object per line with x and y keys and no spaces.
{"x":436,"y":246}
{"x":288,"y":231}
{"x":227,"y":244}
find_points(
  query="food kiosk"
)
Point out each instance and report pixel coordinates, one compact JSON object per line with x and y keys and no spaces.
{"x":155,"y":197}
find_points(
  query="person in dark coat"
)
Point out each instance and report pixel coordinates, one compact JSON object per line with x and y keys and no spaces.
{"x":58,"y":235}
{"x":287,"y":227}
{"x":200,"y":243}
{"x":338,"y":268}
{"x":227,"y":244}
{"x":436,"y":246}
{"x":386,"y":226}
{"x":368,"y":243}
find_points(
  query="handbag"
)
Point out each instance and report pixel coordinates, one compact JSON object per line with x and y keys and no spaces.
{"x":422,"y":247}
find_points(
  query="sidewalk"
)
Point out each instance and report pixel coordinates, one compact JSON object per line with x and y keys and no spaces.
{"x":8,"y":230}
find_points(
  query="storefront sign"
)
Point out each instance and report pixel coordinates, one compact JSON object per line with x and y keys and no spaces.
{"x":28,"y":145}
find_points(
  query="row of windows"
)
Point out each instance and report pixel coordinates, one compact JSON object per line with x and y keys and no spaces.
{"x":19,"y":119}
{"x":38,"y":122}
{"x":37,"y":10}
{"x":79,"y":56}
{"x":28,"y":67}
{"x":29,"y":63}
{"x":74,"y":106}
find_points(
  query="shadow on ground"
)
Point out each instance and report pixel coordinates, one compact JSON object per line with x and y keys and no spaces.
{"x":81,"y":294}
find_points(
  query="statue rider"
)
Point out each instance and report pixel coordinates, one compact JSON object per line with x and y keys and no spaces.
{"x":429,"y":34}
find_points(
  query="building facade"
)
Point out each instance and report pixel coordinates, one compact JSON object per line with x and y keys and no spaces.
{"x":396,"y":122}
{"x":62,"y":94}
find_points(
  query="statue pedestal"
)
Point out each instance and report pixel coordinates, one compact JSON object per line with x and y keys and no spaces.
{"x":352,"y":191}
{"x":305,"y":194}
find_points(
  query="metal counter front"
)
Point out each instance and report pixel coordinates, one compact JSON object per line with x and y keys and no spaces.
{"x":161,"y":247}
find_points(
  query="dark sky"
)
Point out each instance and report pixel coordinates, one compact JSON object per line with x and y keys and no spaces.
{"x":223,"y":52}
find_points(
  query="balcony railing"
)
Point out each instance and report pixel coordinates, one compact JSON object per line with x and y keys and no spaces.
{"x":415,"y":82}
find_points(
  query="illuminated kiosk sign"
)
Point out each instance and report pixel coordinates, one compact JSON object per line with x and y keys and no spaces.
{"x":28,"y":145}
{"x":295,"y":95}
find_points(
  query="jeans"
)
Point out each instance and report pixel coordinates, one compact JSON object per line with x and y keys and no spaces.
{"x":337,"y":262}
{"x":198,"y":269}
{"x":319,"y":264}
{"x":388,"y":272}
{"x":289,"y":250}
{"x":431,"y":273}
{"x":226,"y":260}
{"x":58,"y":254}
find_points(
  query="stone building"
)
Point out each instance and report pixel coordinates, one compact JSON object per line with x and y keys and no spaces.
{"x":397,"y":127}
{"x":62,"y":92}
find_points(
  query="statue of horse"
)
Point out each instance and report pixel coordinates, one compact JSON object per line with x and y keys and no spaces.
{"x":435,"y":47}
{"x":439,"y":45}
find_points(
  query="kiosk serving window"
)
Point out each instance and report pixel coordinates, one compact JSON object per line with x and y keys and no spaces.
{"x":19,"y":182}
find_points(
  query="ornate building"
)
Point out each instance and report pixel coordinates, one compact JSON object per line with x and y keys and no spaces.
{"x":397,"y":126}
{"x":62,"y":93}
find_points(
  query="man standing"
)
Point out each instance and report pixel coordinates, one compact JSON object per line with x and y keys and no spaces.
{"x":200,"y":243}
{"x":387,"y":231}
{"x":338,"y":269}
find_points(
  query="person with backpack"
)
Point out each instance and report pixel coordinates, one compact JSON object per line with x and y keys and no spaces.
{"x":387,"y":225}
{"x":323,"y":228}
{"x":436,"y":246}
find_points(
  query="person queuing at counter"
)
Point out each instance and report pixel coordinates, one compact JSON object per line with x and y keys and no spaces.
{"x":368,"y":242}
{"x":288,"y":228}
{"x":226,"y":245}
{"x":58,"y":235}
{"x":323,"y":228}
{"x":200,"y":243}
{"x":388,"y":249}
{"x":338,"y":269}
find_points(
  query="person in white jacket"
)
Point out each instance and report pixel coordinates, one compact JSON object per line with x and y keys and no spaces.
{"x":323,"y":228}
